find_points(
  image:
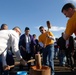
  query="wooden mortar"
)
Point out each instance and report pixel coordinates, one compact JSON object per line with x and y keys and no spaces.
{"x":45,"y":70}
{"x":39,"y":69}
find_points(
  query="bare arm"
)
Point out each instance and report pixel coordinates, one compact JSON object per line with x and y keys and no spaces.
{"x":65,"y":36}
{"x":51,"y":37}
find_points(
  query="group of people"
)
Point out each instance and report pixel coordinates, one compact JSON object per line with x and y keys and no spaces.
{"x":24,"y":46}
{"x":66,"y":43}
{"x":66,"y":51}
{"x":69,"y":11}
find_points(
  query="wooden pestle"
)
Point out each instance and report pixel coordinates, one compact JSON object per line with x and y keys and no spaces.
{"x":48,"y":25}
{"x":18,"y":63}
{"x":38,"y":61}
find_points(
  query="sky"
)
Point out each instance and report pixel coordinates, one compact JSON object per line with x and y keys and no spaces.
{"x":33,"y":14}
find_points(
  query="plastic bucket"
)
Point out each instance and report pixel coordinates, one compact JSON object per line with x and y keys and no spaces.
{"x":21,"y":73}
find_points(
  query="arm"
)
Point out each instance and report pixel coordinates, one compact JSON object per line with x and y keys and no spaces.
{"x":15,"y":49}
{"x":22,"y":43}
{"x":14,"y":44}
{"x":4,"y":63}
{"x":69,"y":30}
{"x":41,"y":44}
{"x":50,"y":36}
{"x":65,"y":36}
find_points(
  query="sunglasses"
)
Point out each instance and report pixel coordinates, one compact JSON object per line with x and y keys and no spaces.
{"x":41,"y":30}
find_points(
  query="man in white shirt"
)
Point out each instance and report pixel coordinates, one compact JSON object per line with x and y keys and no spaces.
{"x":4,"y":27}
{"x":10,"y":38}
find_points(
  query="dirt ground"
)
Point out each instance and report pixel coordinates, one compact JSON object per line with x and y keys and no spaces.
{"x":59,"y":70}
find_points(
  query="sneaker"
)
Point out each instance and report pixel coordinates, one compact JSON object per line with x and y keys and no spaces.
{"x":63,"y":65}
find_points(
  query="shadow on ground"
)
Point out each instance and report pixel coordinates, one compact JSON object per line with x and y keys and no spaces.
{"x":65,"y":73}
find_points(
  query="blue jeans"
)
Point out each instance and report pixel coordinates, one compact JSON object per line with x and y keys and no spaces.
{"x":56,"y":50}
{"x":62,"y":58}
{"x":2,"y":72}
{"x":48,"y":52}
{"x":9,"y":60}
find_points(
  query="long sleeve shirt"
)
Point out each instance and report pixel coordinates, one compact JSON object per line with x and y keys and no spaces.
{"x":9,"y":38}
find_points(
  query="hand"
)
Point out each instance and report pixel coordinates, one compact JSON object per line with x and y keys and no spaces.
{"x":44,"y":45}
{"x":7,"y":67}
{"x":47,"y":35}
{"x":34,"y":49}
{"x":23,"y":62}
{"x":38,"y":52}
{"x":22,"y":48}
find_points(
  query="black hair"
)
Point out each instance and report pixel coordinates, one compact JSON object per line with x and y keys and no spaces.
{"x":16,"y":27}
{"x":27,"y":28}
{"x":2,"y":26}
{"x":41,"y":27}
{"x":34,"y":35}
{"x":67,"y":6}
{"x":62,"y":33}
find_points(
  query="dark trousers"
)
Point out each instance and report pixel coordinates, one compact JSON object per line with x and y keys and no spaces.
{"x":10,"y":61}
{"x":26,"y":56}
{"x":1,"y":68}
{"x":9,"y":58}
{"x":70,"y":59}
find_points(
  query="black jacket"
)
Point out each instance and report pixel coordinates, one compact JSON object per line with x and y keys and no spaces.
{"x":61,"y":43}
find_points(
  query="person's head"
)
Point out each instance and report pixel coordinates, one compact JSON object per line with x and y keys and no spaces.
{"x":42,"y":30}
{"x":75,"y":38}
{"x":27,"y":30}
{"x":4,"y":27}
{"x":62,"y":34}
{"x":56,"y":39}
{"x":17,"y":29}
{"x":68,"y":10}
{"x":34,"y":36}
